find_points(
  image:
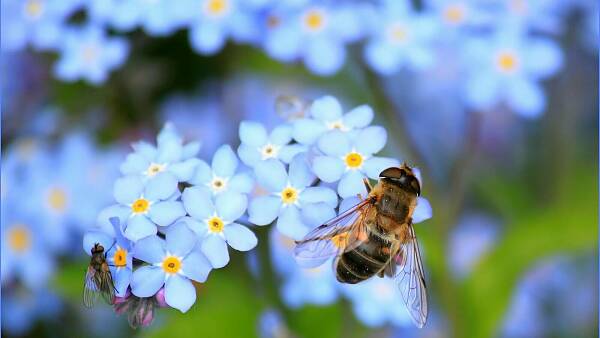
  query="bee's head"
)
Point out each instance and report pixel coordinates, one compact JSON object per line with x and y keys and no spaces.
{"x":98,"y":248}
{"x":402,"y":176}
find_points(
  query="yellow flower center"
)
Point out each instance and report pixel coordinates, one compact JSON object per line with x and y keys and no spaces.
{"x":339,"y":124}
{"x":57,"y":199}
{"x":339,"y":240}
{"x":507,"y":61}
{"x":120,"y":257}
{"x":454,"y":14}
{"x":269,"y":151}
{"x":171,"y":265}
{"x":215,"y":225}
{"x":398,"y":32}
{"x":354,"y":160}
{"x":141,"y":205}
{"x":218,"y":184}
{"x":34,"y":9}
{"x":154,"y":168}
{"x":314,"y":19}
{"x":289,"y":195}
{"x":217,"y":7}
{"x":19,"y":238}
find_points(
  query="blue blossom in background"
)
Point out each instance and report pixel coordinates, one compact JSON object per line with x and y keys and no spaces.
{"x":22,"y":308}
{"x":257,"y":145}
{"x":174,"y":263}
{"x":401,"y":38}
{"x":170,"y":158}
{"x":508,"y":68}
{"x":221,"y":177}
{"x":326,"y":114}
{"x":292,"y":200}
{"x":88,"y":53}
{"x":540,"y":15}
{"x":348,"y":159}
{"x":142,"y":207}
{"x":122,"y":15}
{"x":214,"y":222}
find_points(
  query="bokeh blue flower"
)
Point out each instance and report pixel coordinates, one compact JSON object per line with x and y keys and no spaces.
{"x":258,"y":145}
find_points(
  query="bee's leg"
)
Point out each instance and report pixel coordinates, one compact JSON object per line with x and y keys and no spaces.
{"x":367,"y":185}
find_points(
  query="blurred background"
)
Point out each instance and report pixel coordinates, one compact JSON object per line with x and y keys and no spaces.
{"x":495,"y":101}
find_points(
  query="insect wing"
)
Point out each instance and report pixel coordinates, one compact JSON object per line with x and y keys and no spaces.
{"x":107,"y":287}
{"x":90,"y":289}
{"x":290,"y":107}
{"x":342,"y":233}
{"x":407,"y":270}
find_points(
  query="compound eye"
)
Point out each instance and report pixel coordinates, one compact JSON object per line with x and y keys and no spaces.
{"x":393,"y":173}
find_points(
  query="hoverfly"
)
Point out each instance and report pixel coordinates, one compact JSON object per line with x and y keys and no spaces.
{"x":98,"y":279}
{"x":375,"y":237}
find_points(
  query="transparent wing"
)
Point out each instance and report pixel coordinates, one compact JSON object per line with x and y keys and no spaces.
{"x":342,"y":233}
{"x":107,"y":287}
{"x":290,"y":107}
{"x":407,"y":270}
{"x":90,"y":289}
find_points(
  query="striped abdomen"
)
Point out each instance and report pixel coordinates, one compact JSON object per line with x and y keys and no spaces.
{"x":366,"y":260}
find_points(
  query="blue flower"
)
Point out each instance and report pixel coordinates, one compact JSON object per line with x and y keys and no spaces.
{"x":349,"y":158}
{"x":118,"y":253}
{"x":142,"y":207}
{"x":213,"y":220}
{"x":174,"y":263}
{"x":215,"y":20}
{"x":22,"y":308}
{"x":170,"y":158}
{"x":297,"y":205}
{"x":508,"y":68}
{"x":469,"y":241}
{"x":258,"y":146}
{"x":87,"y":53}
{"x":326,"y":114}
{"x":222,"y":177}
{"x":400,"y":38}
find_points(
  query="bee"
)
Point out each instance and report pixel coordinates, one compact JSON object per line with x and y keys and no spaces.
{"x":98,"y":279}
{"x":375,"y":238}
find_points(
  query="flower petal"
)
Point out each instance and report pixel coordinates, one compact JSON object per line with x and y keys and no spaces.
{"x":224,"y":162}
{"x":319,"y":194}
{"x":335,"y":143}
{"x":253,"y":134}
{"x":165,"y":213}
{"x":352,"y":184}
{"x":169,"y":151}
{"x":196,"y":266}
{"x":185,"y":170}
{"x":146,"y":281}
{"x":115,"y":210}
{"x":526,"y":98}
{"x":150,"y":249}
{"x":180,"y":239}
{"x":264,"y":209}
{"x":138,"y":227}
{"x":300,"y":175}
{"x":307,"y":131}
{"x":326,"y":109}
{"x":134,"y":164}
{"x":242,"y":183}
{"x":290,"y":223}
{"x":161,"y":186}
{"x":281,"y":135}
{"x":359,"y":117}
{"x":180,"y":293}
{"x":127,"y":189}
{"x":377,"y":137}
{"x":198,"y":202}
{"x":328,"y":169}
{"x":287,"y":153}
{"x":422,"y":211}
{"x":249,"y":155}
{"x":215,"y":249}
{"x":199,"y":227}
{"x":231,"y":205}
{"x":202,"y":174}
{"x":271,"y":175}
{"x":375,"y":165}
{"x":315,"y":214}
{"x":122,"y":278}
{"x":239,"y":237}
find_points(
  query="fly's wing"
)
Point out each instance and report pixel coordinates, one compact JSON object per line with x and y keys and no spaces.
{"x":407,"y":269}
{"x":107,"y":287}
{"x":343,"y":233}
{"x":90,"y":289}
{"x":290,"y":107}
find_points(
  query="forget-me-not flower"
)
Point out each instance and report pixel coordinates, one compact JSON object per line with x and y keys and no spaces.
{"x":174,"y":263}
{"x":297,"y":205}
{"x":326,"y":114}
{"x":88,"y":53}
{"x":214,"y":221}
{"x":349,"y":158}
{"x":258,"y":145}
{"x":222,"y":177}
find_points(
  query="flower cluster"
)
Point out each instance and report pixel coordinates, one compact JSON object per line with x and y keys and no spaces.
{"x":504,"y":48}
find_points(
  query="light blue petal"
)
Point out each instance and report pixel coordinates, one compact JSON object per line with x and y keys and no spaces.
{"x":290,"y":223}
{"x":328,"y":169}
{"x":184,"y":171}
{"x":147,"y":280}
{"x":191,"y":149}
{"x":249,"y":155}
{"x":377,"y":137}
{"x":239,"y":237}
{"x":207,"y":38}
{"x":326,"y":109}
{"x":307,"y":131}
{"x":375,"y":165}
{"x":92,"y":237}
{"x":335,"y":143}
{"x":215,"y":249}
{"x":231,"y":205}
{"x":127,"y":189}
{"x":352,"y":184}
{"x":324,"y":56}
{"x":526,"y":98}
{"x":359,"y":117}
{"x":283,"y":44}
{"x":300,"y":175}
{"x":319,"y":194}
{"x":271,"y":175}
{"x":199,"y":227}
{"x":543,"y":58}
{"x":166,"y":212}
{"x":287,"y":153}
{"x":122,"y":280}
{"x":263,"y":210}
{"x":161,"y":187}
{"x":315,"y":214}
{"x":115,"y":210}
{"x":202,"y":175}
{"x":198,"y":202}
{"x":348,"y":203}
{"x":150,"y":249}
{"x":242,"y":183}
{"x":134,"y":164}
{"x":423,"y":210}
{"x":281,"y":135}
{"x":224,"y":162}
{"x":167,"y":134}
{"x":481,"y":90}
{"x":36,"y":271}
{"x":180,"y":239}
{"x":195,"y":266}
{"x":170,"y":151}
{"x":382,"y":58}
{"x":138,"y":227}
{"x":180,"y":293}
{"x":145,"y":149}
{"x":253,"y":134}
